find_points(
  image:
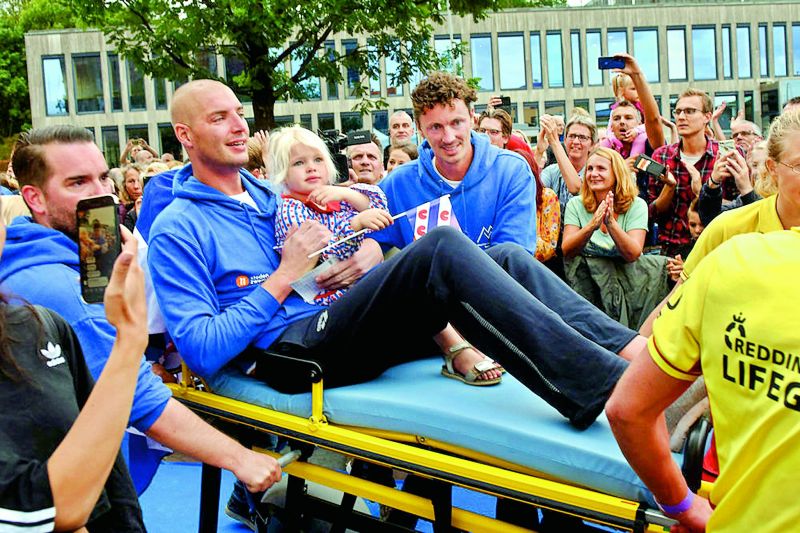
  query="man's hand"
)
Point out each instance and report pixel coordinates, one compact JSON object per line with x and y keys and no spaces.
{"x":257,"y":471}
{"x":674,"y":267}
{"x":721,"y":171}
{"x":374,"y":219}
{"x":631,"y":67}
{"x":631,"y":163}
{"x":345,"y":273}
{"x":124,"y":300}
{"x":697,"y":179}
{"x":495,"y":101}
{"x":668,"y":179}
{"x":300,"y":243}
{"x":718,"y":111}
{"x":262,"y":136}
{"x":737,"y":166}
{"x":693,"y":519}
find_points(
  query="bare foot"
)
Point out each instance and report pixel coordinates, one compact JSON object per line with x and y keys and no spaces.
{"x":468,"y":357}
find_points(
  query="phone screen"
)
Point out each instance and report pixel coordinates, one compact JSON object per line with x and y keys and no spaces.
{"x":98,"y":244}
{"x":606,"y":63}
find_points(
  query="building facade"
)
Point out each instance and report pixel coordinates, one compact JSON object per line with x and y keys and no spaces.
{"x":545,"y":60}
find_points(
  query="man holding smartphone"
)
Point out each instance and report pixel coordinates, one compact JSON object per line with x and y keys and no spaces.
{"x":57,"y":167}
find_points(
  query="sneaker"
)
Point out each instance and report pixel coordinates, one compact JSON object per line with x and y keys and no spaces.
{"x":238,"y":508}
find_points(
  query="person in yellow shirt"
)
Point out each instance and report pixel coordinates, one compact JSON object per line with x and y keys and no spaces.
{"x":746,"y":344}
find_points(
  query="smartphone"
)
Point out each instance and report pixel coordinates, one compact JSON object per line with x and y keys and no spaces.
{"x":647,"y":164}
{"x":726,"y":146}
{"x":99,"y":244}
{"x":505,"y":104}
{"x":606,"y":63}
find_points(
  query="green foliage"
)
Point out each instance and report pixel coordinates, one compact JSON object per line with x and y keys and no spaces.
{"x":166,"y":39}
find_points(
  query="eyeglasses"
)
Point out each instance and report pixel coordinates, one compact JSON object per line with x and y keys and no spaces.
{"x":688,"y":111}
{"x":743,"y":134}
{"x":795,"y":168}
{"x":577,"y":137}
{"x":490,"y":131}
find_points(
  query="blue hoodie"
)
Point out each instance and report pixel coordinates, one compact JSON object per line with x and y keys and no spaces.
{"x":495,"y":203}
{"x":208,"y":255}
{"x":40,"y":265}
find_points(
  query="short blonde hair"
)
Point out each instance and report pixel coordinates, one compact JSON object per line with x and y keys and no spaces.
{"x":281,"y":144}
{"x":619,"y":83}
{"x":782,"y":127}
{"x":625,"y":189}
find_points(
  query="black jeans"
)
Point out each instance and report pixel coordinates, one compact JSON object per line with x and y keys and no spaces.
{"x":504,"y":302}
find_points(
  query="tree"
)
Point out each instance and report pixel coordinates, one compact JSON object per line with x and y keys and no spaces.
{"x":170,"y":39}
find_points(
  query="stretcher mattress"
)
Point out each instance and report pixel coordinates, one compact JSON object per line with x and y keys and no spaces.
{"x":506,"y":421}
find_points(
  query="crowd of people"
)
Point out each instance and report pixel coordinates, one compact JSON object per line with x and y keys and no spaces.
{"x":587,"y":236}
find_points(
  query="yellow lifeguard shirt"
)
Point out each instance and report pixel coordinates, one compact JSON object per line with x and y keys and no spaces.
{"x":737,"y":320}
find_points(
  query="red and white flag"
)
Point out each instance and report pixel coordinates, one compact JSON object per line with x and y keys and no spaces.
{"x":425,"y":217}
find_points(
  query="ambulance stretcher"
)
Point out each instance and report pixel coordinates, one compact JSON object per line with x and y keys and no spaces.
{"x":501,"y":440}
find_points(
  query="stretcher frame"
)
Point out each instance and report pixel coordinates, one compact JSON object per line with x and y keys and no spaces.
{"x":446,"y":464}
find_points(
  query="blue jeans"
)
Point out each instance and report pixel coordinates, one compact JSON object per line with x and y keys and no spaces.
{"x":504,"y":302}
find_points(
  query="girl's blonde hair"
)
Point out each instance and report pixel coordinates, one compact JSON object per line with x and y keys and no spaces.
{"x":619,"y":83}
{"x":625,"y":189}
{"x":781,"y":128}
{"x":281,"y":144}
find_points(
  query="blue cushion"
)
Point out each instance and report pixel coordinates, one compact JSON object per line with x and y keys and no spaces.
{"x":506,"y":421}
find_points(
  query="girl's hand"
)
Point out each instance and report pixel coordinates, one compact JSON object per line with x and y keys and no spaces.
{"x":330,"y":193}
{"x":374,"y":219}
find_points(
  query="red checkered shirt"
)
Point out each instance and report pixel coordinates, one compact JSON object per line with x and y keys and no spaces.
{"x":673,"y":224}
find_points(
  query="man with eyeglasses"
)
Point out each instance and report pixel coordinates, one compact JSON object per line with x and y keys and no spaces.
{"x":745,"y":135}
{"x":669,"y":195}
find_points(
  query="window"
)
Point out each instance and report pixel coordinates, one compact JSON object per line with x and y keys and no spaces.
{"x":88,"y":84}
{"x":763,"y":51}
{"x":727,"y":67}
{"x":114,"y":82}
{"x":284,"y":120}
{"x":443,"y":47}
{"x":779,"y":49}
{"x":582,"y":103}
{"x":511,"y":59}
{"x":743,"y":51}
{"x":111,"y":145}
{"x":305,"y":121}
{"x":160,"y":90}
{"x":530,"y":113}
{"x":351,"y":122}
{"x":325,"y":121}
{"x":375,"y":65}
{"x":333,"y":87}
{"x":311,"y":86}
{"x":169,"y":144}
{"x":55,"y":86}
{"x":482,"y":65}
{"x":575,"y":49}
{"x":480,"y":108}
{"x":602,"y":111}
{"x":380,"y":121}
{"x":593,"y":51}
{"x":138,"y":131}
{"x":732,"y":101}
{"x":90,"y":129}
{"x":676,"y":53}
{"x":136,"y":100}
{"x":234,"y":66}
{"x":352,"y":79}
{"x":512,"y":110}
{"x":645,"y":49}
{"x":555,"y":58}
{"x":796,"y":49}
{"x":556,"y":107}
{"x":393,"y":88}
{"x":616,"y":41}
{"x":704,"y":53}
{"x":673,"y":101}
{"x":536,"y":60}
{"x":207,"y":59}
{"x":748,"y":106}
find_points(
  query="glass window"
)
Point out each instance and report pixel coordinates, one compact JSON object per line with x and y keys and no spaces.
{"x":88,"y":84}
{"x":796,"y":49}
{"x":593,"y":51}
{"x":602,"y":111}
{"x":352,"y":78}
{"x":555,"y":58}
{"x":380,"y":121}
{"x":556,"y":107}
{"x":311,"y":86}
{"x":530,"y":113}
{"x":284,"y":120}
{"x":582,"y":103}
{"x":482,"y":65}
{"x":442,"y":45}
{"x":511,"y":59}
{"x":160,"y":90}
{"x":305,"y":121}
{"x":207,"y":59}
{"x":90,"y":129}
{"x":779,"y":49}
{"x":333,"y":87}
{"x":536,"y":60}
{"x":748,"y":106}
{"x":732,"y":107}
{"x":763,"y":51}
{"x":234,"y":66}
{"x":393,"y":88}
{"x":114,"y":82}
{"x":743,"y":51}
{"x":111,"y":145}
{"x":673,"y":101}
{"x":616,"y":41}
{"x":480,"y":108}
{"x":645,"y":49}
{"x":137,"y":131}
{"x":351,"y":122}
{"x":375,"y":65}
{"x":676,"y":53}
{"x":136,"y":100}
{"x":325,"y":121}
{"x":704,"y":53}
{"x":727,"y":67}
{"x":575,"y":49}
{"x":55,"y":86}
{"x":169,"y":143}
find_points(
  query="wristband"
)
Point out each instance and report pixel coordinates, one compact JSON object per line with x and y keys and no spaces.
{"x":715,"y":182}
{"x":679,"y":507}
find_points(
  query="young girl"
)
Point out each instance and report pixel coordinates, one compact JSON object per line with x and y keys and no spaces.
{"x":625,"y":90}
{"x":300,"y":161}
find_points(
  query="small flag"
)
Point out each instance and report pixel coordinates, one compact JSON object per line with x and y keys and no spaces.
{"x":425,"y":217}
